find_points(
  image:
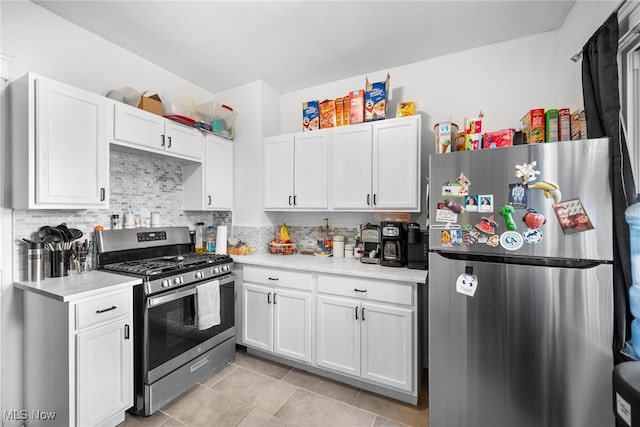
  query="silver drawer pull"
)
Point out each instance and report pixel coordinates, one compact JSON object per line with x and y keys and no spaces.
{"x":113,"y":307}
{"x":359,"y":290}
{"x":199,"y":364}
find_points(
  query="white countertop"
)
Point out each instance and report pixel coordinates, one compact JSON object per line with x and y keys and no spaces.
{"x":77,"y":286}
{"x":344,"y":266}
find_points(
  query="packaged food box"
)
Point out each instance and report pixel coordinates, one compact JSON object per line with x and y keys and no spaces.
{"x":498,"y":139}
{"x":445,"y":133}
{"x":339,"y":111}
{"x":575,"y":125}
{"x":310,"y":116}
{"x":551,"y":125}
{"x":356,"y":106}
{"x":346,"y":103}
{"x":583,"y":124}
{"x":460,"y":141}
{"x":375,"y":100}
{"x":533,"y":126}
{"x":328,"y":114}
{"x":473,"y":134}
{"x":406,"y":109}
{"x":564,"y":124}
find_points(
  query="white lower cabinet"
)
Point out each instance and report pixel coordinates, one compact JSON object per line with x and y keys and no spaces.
{"x":277,"y":319}
{"x":79,"y":358}
{"x":366,"y":339}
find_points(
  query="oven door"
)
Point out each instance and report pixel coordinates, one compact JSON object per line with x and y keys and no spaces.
{"x":171,"y":332}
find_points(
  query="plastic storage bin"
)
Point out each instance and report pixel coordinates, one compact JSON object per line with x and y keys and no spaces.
{"x":221,"y":117}
{"x":174,"y":105}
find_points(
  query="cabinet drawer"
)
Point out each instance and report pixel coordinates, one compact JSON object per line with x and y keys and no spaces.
{"x":366,"y":289}
{"x":277,"y":277}
{"x":102,"y":308}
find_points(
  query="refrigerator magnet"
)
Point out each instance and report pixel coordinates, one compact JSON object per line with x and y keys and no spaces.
{"x":471,"y":203}
{"x":470,"y":237}
{"x":518,"y":195}
{"x":572,"y":217}
{"x":445,"y":238}
{"x":511,"y":240}
{"x":493,"y":241}
{"x":486,"y":203}
{"x":444,"y":214}
{"x":453,"y":206}
{"x":466,"y":284}
{"x":487,"y":225}
{"x":507,"y":212}
{"x":534,"y":219}
{"x":456,"y":237}
{"x":532,"y":236}
{"x":527,"y":172}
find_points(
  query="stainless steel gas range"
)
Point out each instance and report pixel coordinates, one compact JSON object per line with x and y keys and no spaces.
{"x":171,"y":351}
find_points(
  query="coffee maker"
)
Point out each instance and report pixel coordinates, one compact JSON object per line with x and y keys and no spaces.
{"x":370,"y":244}
{"x":394,"y":244}
{"x":417,"y":247}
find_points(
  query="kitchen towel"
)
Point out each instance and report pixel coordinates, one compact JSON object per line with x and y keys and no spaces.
{"x":208,"y":302}
{"x":221,"y":240}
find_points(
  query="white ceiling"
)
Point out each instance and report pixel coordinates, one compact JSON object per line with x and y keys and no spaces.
{"x":296,"y":44}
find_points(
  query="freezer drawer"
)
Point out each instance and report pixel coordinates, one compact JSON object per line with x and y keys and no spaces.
{"x":532,"y":347}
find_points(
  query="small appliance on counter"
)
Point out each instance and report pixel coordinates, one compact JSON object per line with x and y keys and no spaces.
{"x":394,"y":244}
{"x":417,"y":247}
{"x":371,"y":244}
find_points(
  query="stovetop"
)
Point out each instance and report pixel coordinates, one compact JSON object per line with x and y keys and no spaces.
{"x":167,"y":265}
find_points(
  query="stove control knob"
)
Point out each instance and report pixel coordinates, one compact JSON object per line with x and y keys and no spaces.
{"x":225,"y":268}
{"x":177,"y":280}
{"x":199,"y":275}
{"x":165,"y":283}
{"x":216,"y":270}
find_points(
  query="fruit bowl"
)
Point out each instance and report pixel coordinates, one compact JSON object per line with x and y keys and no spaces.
{"x":282,"y":248}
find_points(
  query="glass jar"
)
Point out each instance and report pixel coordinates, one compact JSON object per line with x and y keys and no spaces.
{"x":199,"y":243}
{"x":210,"y":238}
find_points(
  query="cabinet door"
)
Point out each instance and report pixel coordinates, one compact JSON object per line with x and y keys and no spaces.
{"x":292,"y":324}
{"x":136,"y":127}
{"x":218,"y":173}
{"x":387,"y":345}
{"x":338,"y":335}
{"x":183,"y":141}
{"x":257,"y":322}
{"x":72,"y":154}
{"x":104,"y":372}
{"x":277,"y":171}
{"x":396,"y":165}
{"x":311,"y":170}
{"x":351,"y":168}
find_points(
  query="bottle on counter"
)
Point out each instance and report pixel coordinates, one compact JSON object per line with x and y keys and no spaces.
{"x":210,"y":238}
{"x":199,"y":243}
{"x":338,"y":246}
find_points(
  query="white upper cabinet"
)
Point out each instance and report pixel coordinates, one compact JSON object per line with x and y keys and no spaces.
{"x":296,"y":171}
{"x":60,"y":155}
{"x":138,"y":129}
{"x":376,"y":166}
{"x":209,"y":186}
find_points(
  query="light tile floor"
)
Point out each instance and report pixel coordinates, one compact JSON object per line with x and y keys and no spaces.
{"x":254,"y":392}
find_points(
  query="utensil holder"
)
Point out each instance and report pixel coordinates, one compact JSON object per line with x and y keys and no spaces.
{"x":59,"y":263}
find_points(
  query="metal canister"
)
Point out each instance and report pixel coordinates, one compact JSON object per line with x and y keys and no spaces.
{"x":35,"y":261}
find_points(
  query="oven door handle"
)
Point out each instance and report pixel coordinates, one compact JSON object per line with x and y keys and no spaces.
{"x":163,"y":299}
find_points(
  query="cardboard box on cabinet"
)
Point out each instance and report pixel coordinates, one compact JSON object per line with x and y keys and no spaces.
{"x":152,"y":104}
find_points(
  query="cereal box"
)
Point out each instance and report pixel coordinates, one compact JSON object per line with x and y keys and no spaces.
{"x":533,"y":126}
{"x":310,"y":116}
{"x":564,"y":124}
{"x":356,"y":106}
{"x":575,"y":125}
{"x":498,"y":139}
{"x":375,"y":100}
{"x":551,"y":125}
{"x":346,"y":103}
{"x":583,"y":125}
{"x":338,"y":111}
{"x":328,"y":114}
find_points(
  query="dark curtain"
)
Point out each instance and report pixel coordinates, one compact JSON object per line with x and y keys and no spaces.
{"x":602,"y":110}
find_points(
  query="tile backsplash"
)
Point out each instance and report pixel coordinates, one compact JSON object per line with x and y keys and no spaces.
{"x":139,"y":184}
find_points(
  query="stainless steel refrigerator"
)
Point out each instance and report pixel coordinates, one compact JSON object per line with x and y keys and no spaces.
{"x":521,"y":320}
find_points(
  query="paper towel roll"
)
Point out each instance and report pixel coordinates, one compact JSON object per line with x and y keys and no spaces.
{"x":221,"y":240}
